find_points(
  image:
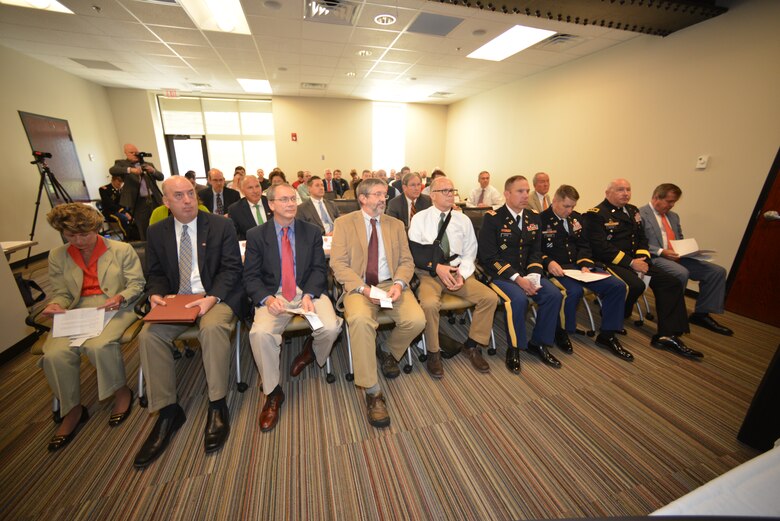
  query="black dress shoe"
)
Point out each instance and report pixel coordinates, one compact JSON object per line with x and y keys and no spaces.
{"x":705,"y":320}
{"x":158,"y":439}
{"x":675,"y":344}
{"x":621,"y":332}
{"x":116,"y":419}
{"x":563,"y":342}
{"x":217,"y":428}
{"x":513,"y":359}
{"x":58,"y":441}
{"x":613,"y":344}
{"x":544,"y":354}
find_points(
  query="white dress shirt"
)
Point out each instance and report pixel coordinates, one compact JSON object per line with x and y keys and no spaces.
{"x":424,"y":228}
{"x":192,"y":231}
{"x":262,"y":211}
{"x":492,"y":197}
{"x":319,"y":205}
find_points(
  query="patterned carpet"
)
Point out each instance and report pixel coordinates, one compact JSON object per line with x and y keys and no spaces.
{"x":598,"y":437}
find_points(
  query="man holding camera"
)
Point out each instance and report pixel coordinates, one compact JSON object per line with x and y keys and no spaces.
{"x":140,"y":193}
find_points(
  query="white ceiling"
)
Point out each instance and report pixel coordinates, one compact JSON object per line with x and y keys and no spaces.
{"x":156,"y":46}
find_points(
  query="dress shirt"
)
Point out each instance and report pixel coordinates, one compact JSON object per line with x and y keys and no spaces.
{"x":192,"y":231}
{"x":541,"y":199}
{"x":518,"y":217}
{"x":664,"y":238}
{"x":319,"y":205}
{"x":262,"y":211}
{"x":460,"y":233}
{"x":492,"y":197}
{"x":214,"y":202}
{"x":409,"y":209}
{"x":384,"y":269}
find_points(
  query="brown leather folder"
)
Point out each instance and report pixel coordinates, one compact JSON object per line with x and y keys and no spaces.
{"x":175,"y":312}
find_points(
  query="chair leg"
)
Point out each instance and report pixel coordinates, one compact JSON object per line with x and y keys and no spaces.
{"x":592,"y":331}
{"x":649,"y":315}
{"x":330,"y":377}
{"x":408,"y":367}
{"x":423,"y":347}
{"x":641,"y":317}
{"x":240,"y":385}
{"x":350,"y":376}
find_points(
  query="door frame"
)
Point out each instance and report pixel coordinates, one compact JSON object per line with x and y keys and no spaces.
{"x":170,"y":138}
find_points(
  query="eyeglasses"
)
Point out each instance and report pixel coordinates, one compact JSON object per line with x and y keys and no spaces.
{"x":383,"y":195}
{"x":447,"y":191}
{"x":285,"y":200}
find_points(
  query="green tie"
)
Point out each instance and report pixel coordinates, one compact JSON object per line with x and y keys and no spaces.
{"x":445,"y":243}
{"x":258,"y":214}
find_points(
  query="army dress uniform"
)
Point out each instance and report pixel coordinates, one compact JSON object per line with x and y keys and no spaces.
{"x":564,"y":241}
{"x":616,"y":237}
{"x":112,"y":210}
{"x":509,"y":249}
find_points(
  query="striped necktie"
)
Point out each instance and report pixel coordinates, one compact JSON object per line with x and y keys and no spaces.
{"x":220,"y":207}
{"x":185,"y":262}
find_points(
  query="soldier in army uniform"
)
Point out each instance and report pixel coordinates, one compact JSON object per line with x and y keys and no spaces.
{"x":564,"y":246}
{"x":509,"y":250}
{"x":617,"y":238}
{"x":112,"y":210}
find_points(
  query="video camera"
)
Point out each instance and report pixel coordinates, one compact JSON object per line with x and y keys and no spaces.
{"x":40,"y":157}
{"x":142,"y":155}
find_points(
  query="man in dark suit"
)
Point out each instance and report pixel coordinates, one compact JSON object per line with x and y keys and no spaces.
{"x":343,"y":184}
{"x":216,"y":197}
{"x":317,"y":210}
{"x":277,"y":280}
{"x":510,"y":250}
{"x":251,"y":211}
{"x":110,"y":195}
{"x":397,"y":183}
{"x":617,"y":238}
{"x":331,"y":185}
{"x":190,"y":252}
{"x":412,"y":201}
{"x":661,"y":226}
{"x":140,"y":193}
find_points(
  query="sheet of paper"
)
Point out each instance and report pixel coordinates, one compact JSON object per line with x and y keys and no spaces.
{"x":381,"y":296}
{"x":78,"y":322}
{"x":689,"y":248}
{"x":585,"y":277}
{"x":327,"y":240}
{"x":535,"y":279}
{"x":314,"y":321}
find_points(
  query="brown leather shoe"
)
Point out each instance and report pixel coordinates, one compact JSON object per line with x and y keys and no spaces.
{"x":304,"y":358}
{"x":475,"y":355}
{"x":270,"y":413}
{"x":377,"y":410}
{"x":434,"y":365}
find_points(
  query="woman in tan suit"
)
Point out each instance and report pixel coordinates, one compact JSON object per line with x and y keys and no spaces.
{"x":89,"y":271}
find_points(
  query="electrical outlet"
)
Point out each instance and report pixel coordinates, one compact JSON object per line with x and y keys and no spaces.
{"x":702,"y":161}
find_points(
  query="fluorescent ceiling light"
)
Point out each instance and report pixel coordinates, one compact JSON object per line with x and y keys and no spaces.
{"x":46,"y":5}
{"x":255,"y":86}
{"x":217,"y":15}
{"x":511,"y":42}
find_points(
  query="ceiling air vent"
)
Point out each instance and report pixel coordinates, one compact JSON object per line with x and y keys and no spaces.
{"x":314,"y":86}
{"x":559,"y":42}
{"x":96,"y":64}
{"x":200,"y":86}
{"x":440,"y":95}
{"x":338,"y":12}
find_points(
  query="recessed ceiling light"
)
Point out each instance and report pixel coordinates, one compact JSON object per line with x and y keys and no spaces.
{"x":351,"y":74}
{"x":272,"y":4}
{"x":384,"y":19}
{"x":364,"y":52}
{"x":510,"y":42}
{"x":479,"y":32}
{"x":255,"y":86}
{"x":45,"y":5}
{"x":226,"y":15}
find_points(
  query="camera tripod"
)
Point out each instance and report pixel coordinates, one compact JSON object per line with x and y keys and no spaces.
{"x":59,"y":192}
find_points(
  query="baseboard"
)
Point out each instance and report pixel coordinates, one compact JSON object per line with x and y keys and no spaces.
{"x":19,"y":347}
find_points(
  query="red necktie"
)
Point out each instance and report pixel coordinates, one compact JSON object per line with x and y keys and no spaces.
{"x":412,"y":210}
{"x":372,"y":266}
{"x":288,"y":268}
{"x":669,"y":232}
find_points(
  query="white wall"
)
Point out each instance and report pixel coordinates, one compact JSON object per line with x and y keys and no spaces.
{"x":32,"y":86}
{"x":643,"y":110}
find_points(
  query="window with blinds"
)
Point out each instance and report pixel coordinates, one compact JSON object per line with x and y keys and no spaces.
{"x":389,"y":136}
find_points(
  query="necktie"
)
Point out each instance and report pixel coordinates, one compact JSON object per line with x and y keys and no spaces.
{"x":220,"y":207}
{"x":288,"y":268}
{"x":445,"y":242}
{"x":545,"y":205}
{"x":325,"y":217}
{"x":412,"y":210}
{"x":481,"y":197}
{"x":258,"y":214}
{"x":330,"y":186}
{"x":565,"y":225}
{"x":185,"y":262}
{"x":669,"y":232}
{"x":372,"y":264}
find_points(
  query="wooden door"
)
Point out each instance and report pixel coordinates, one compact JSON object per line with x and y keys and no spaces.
{"x":753,"y":288}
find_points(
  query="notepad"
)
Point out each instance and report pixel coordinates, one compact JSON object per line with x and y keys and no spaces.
{"x":174,"y":311}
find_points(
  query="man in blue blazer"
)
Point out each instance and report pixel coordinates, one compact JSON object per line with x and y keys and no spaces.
{"x":190,"y":252}
{"x":285,"y":269}
{"x":251,"y":211}
{"x":216,"y":197}
{"x":661,"y":225}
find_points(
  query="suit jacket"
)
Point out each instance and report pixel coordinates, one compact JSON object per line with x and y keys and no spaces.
{"x":655,"y":240}
{"x":263,"y":261}
{"x":243,"y":216}
{"x":307,"y":212}
{"x":119,"y":273}
{"x":399,"y":208}
{"x":343,"y":184}
{"x":569,"y":249}
{"x":533,"y":201}
{"x":132,"y":188}
{"x":337,"y":187}
{"x":219,"y":259}
{"x":505,"y":248}
{"x":229,"y":196}
{"x":614,"y":236}
{"x":349,"y":250}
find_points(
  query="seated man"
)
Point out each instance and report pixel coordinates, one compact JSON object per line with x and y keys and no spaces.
{"x":330,"y":184}
{"x":455,"y":277}
{"x":510,"y":251}
{"x":276,"y":279}
{"x":565,"y":247}
{"x":216,"y":197}
{"x":663,"y":225}
{"x":539,"y":199}
{"x":317,"y":210}
{"x":485,"y":196}
{"x":191,"y":252}
{"x":617,"y":238}
{"x":303,"y":187}
{"x":112,"y":210}
{"x":371,"y":249}
{"x":252,"y":210}
{"x":412,"y":201}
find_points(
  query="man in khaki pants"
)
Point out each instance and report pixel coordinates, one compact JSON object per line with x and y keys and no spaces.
{"x":454,"y":276}
{"x":371,"y":249}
